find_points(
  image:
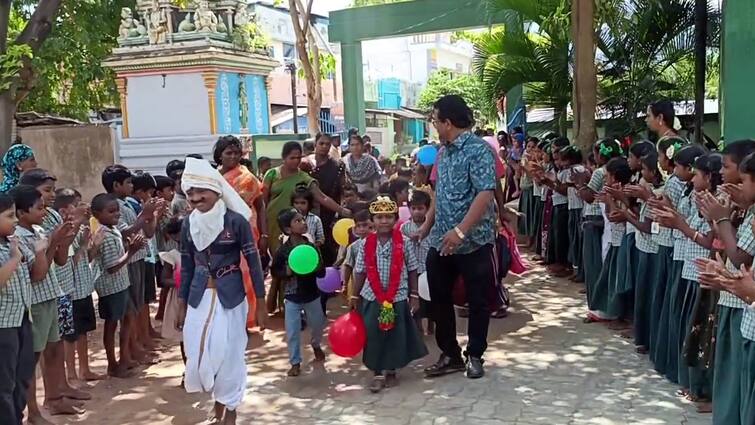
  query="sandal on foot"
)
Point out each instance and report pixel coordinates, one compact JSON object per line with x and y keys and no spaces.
{"x":377,"y":384}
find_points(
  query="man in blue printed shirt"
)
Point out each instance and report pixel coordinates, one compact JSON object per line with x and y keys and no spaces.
{"x":462,"y":223}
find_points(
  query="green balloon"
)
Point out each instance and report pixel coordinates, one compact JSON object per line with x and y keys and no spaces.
{"x":303,"y":259}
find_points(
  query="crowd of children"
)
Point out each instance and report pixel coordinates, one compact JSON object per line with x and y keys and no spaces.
{"x":649,"y":226}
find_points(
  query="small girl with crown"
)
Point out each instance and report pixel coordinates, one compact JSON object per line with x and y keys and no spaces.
{"x":388,"y":299}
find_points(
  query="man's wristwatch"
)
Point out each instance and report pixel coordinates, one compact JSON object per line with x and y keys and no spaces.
{"x":459,"y":233}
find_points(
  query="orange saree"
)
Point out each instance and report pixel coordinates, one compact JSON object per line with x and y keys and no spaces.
{"x":249,"y":188}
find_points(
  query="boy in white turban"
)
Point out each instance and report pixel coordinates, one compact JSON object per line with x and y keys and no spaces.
{"x":214,"y":237}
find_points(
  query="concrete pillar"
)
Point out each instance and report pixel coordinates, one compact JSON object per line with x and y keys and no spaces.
{"x":353,"y":86}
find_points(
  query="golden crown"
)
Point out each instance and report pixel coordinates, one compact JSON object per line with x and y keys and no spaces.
{"x":383,"y":205}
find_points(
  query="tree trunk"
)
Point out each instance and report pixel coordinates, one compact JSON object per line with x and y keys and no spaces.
{"x":585,"y":76}
{"x":34,"y":34}
{"x":311,"y":67}
{"x":701,"y":27}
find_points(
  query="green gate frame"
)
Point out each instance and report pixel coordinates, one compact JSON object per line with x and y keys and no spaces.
{"x":352,"y":26}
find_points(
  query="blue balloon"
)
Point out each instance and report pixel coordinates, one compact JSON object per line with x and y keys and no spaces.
{"x":427,"y":154}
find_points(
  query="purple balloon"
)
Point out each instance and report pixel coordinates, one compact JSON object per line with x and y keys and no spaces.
{"x":331,"y":282}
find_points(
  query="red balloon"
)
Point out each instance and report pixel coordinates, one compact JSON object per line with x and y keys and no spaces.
{"x":177,"y":277}
{"x":347,"y":335}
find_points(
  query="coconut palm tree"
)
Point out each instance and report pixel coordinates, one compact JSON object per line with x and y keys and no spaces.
{"x":533,"y":51}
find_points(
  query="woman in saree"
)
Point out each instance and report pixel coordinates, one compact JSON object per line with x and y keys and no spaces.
{"x":279,"y":184}
{"x":363,"y":169}
{"x":330,"y":175}
{"x":227,"y":154}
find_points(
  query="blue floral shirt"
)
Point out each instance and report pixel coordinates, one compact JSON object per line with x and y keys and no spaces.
{"x":466,"y":167}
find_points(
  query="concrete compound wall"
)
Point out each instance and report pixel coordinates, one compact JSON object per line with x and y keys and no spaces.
{"x":76,"y":155}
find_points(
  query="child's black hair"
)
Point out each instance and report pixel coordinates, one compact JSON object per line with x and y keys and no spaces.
{"x":608,"y":149}
{"x":357,"y":206}
{"x":102,"y":200}
{"x":420,"y":197}
{"x":384,"y":187}
{"x":64,"y":197}
{"x":164,"y":181}
{"x":263,"y":159}
{"x":367,"y":195}
{"x":285,"y":217}
{"x":173,"y":227}
{"x":739,"y":149}
{"x":619,"y":168}
{"x":303,"y":192}
{"x":362,"y":215}
{"x":404,"y":172}
{"x":350,"y":187}
{"x":6,"y":202}
{"x":113,"y":174}
{"x":591,"y":158}
{"x":246,"y":162}
{"x":25,"y":196}
{"x":543,"y":144}
{"x":747,"y":166}
{"x":641,"y":148}
{"x":560,"y":142}
{"x":650,"y":161}
{"x":687,"y":155}
{"x":36,"y":177}
{"x":143,"y":180}
{"x":175,"y":168}
{"x":572,"y":155}
{"x":711,"y":164}
{"x":396,"y":186}
{"x":665,"y":143}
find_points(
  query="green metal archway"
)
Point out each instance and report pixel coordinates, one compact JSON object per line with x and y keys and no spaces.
{"x":352,"y":26}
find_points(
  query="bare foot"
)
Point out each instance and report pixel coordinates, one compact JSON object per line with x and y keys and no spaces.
{"x":75,"y":394}
{"x":91,"y":376}
{"x":215,"y":416}
{"x":230,"y":417}
{"x":37,"y":419}
{"x":63,"y":407}
{"x":121,"y":371}
{"x":704,"y":406}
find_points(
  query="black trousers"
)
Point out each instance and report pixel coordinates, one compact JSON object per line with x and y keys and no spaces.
{"x":478,"y":271}
{"x":16,"y":371}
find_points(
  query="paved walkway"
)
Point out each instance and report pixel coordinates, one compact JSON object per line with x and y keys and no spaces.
{"x":544,"y":366}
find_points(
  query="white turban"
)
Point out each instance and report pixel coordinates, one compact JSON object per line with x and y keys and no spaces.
{"x":206,"y":227}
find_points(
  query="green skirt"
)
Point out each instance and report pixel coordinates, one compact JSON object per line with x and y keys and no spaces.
{"x":526,"y":208}
{"x":655,"y":297}
{"x":537,"y":222}
{"x":659,"y":310}
{"x":621,"y":280}
{"x":728,"y":365}
{"x":558,"y":235}
{"x":575,"y":239}
{"x":747,"y":408}
{"x":592,"y":254}
{"x":393,"y":349}
{"x":647,"y":267}
{"x":600,"y":297}
{"x":672,"y":309}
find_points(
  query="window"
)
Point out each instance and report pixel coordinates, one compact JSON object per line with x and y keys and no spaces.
{"x":289,"y":51}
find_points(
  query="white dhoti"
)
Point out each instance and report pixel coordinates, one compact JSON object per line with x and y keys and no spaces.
{"x":215,"y":343}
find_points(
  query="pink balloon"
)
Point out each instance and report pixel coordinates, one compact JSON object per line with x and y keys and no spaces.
{"x":404,"y":214}
{"x":347,"y":335}
{"x":331,"y":282}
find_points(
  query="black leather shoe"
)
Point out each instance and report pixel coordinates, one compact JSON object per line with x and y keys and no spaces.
{"x":474,"y":368}
{"x":444,"y":366}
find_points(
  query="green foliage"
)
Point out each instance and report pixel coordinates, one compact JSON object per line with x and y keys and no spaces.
{"x":11,"y":63}
{"x":68,"y":78}
{"x":327,"y":65}
{"x":250,"y":37}
{"x":444,"y":82}
{"x":646,"y":52}
{"x":533,"y":52}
